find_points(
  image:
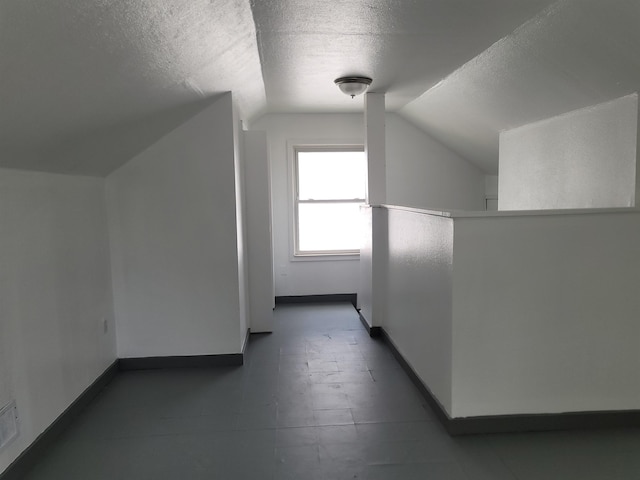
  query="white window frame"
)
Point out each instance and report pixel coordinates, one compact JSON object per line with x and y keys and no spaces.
{"x":294,"y":148}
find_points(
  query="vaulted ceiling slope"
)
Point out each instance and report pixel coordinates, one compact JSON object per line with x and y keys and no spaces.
{"x":406,"y":46}
{"x":576,"y":53}
{"x":86,"y":85}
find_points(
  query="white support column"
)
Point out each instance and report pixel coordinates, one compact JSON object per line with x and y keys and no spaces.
{"x":636,"y":200}
{"x":373,"y":254}
{"x":259,"y":241}
{"x":375,"y":148}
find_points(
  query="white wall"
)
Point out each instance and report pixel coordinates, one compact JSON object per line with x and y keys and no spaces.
{"x":505,"y":313}
{"x":420,"y":173}
{"x":419,"y":296}
{"x":55,"y":293}
{"x":304,"y":277}
{"x":172,"y":218}
{"x":545,"y":314}
{"x":241,"y":226}
{"x":423,"y":173}
{"x":582,"y":159}
{"x":374,"y":248}
{"x":259,"y":241}
{"x":491,"y":186}
{"x":375,"y":140}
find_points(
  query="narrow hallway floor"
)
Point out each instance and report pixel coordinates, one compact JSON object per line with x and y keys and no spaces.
{"x":316,"y":399}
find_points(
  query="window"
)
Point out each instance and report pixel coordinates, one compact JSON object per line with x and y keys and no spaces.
{"x":330,"y":185}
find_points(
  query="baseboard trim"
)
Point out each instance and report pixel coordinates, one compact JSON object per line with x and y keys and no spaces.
{"x":188,"y":361}
{"x":515,"y":423}
{"x":28,"y":458}
{"x":32,"y":454}
{"x":374,"y":332}
{"x":545,"y":422}
{"x":332,"y":298}
{"x":432,"y":401}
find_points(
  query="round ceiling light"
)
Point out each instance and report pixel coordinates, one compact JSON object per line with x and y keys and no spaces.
{"x":353,"y":85}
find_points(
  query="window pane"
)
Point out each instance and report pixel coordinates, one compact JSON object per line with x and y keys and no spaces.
{"x":329,"y":226}
{"x":329,"y":175}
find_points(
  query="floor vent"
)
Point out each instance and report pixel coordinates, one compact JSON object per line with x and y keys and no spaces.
{"x":8,"y":424}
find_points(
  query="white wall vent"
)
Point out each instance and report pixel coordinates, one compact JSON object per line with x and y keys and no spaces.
{"x":8,"y":424}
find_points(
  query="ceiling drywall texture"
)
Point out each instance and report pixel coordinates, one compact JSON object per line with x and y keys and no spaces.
{"x":574,"y":54}
{"x":84,"y":86}
{"x":406,"y":46}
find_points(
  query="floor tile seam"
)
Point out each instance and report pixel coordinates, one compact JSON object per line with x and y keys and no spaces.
{"x":399,"y":422}
{"x":184,"y":433}
{"x":147,"y":435}
{"x":403,"y":463}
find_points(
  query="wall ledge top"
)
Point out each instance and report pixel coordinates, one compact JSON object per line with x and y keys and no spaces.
{"x":510,"y":213}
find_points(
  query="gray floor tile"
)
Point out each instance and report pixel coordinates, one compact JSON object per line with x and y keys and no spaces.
{"x":261,"y":418}
{"x":394,"y":432}
{"x":479,"y":460}
{"x":337,"y":434}
{"x":333,"y":417}
{"x":385,"y":413}
{"x":316,"y":399}
{"x":292,"y":417}
{"x":295,"y":462}
{"x":570,"y":455}
{"x":330,"y":401}
{"x":418,"y":471}
{"x":296,"y":436}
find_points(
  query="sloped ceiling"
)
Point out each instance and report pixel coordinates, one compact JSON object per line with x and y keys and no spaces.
{"x":406,"y":46}
{"x":84,"y":86}
{"x":576,"y":53}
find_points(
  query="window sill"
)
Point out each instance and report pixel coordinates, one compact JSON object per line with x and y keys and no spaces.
{"x":325,"y":257}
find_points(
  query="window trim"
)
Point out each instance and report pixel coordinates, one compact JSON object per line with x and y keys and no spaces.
{"x":293,"y":149}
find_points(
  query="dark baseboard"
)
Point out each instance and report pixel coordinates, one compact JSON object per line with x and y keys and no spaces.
{"x":432,"y":401}
{"x":373,"y":331}
{"x":332,"y":298}
{"x":188,"y":361}
{"x":27,"y":459}
{"x":545,"y":422}
{"x":515,"y":423}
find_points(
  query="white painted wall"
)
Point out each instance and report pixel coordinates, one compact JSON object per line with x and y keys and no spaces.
{"x":241,"y":226}
{"x":582,"y":159}
{"x":420,"y":173}
{"x":375,"y":148}
{"x":259,"y":241}
{"x":423,"y":173}
{"x":545,"y":314}
{"x":55,"y":291}
{"x":518,"y":313}
{"x":304,"y":277}
{"x":491,"y":186}
{"x":172,"y":218}
{"x":372,"y":294}
{"x":419,"y":296}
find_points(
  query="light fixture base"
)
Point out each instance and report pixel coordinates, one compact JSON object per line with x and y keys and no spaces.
{"x":353,"y":85}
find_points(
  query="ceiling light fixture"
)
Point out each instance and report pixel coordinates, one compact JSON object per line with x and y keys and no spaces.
{"x":353,"y":85}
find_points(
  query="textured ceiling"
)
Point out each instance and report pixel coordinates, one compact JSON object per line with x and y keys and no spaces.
{"x":86,"y":85}
{"x":406,"y":46}
{"x":80,"y":78}
{"x":575,"y":54}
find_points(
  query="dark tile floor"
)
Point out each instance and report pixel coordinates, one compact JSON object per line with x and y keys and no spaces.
{"x":317,"y":399}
